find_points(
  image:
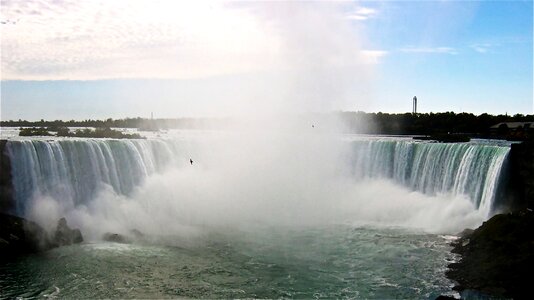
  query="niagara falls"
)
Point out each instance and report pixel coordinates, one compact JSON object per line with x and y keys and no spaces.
{"x":266,"y":150}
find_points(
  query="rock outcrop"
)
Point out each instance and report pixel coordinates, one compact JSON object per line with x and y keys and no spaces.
{"x":19,"y":236}
{"x":497,"y":258}
{"x":64,"y":235}
{"x":522,"y":174}
{"x":6,"y":186}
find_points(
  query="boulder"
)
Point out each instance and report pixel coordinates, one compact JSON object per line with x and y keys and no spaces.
{"x":64,"y":235}
{"x":137,"y":234}
{"x":133,"y":236}
{"x":20,"y":236}
{"x":116,"y":238}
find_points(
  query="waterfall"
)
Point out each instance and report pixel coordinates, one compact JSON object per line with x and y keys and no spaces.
{"x":72,"y":171}
{"x":466,"y":168}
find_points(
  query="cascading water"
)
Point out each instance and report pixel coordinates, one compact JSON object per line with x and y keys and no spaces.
{"x":72,"y":171}
{"x":254,"y":217}
{"x":431,"y":168}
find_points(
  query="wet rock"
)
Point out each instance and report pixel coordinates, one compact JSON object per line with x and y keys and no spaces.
{"x":521,"y":175}
{"x":137,"y":234}
{"x":497,"y":258}
{"x":20,"y":236}
{"x":116,"y":238}
{"x":133,"y":235}
{"x":6,"y":186}
{"x":466,"y":233}
{"x":64,"y":235}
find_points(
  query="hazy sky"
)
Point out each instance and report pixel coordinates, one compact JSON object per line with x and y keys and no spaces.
{"x":72,"y":59}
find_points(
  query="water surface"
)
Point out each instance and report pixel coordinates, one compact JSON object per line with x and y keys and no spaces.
{"x":329,"y":262}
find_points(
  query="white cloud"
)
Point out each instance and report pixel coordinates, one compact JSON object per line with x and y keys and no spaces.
{"x":70,"y":39}
{"x":362,"y":13}
{"x":125,"y":39}
{"x":435,"y":50}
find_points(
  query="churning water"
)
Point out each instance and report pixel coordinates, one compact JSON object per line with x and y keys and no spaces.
{"x":328,"y":262}
{"x":254,"y":215}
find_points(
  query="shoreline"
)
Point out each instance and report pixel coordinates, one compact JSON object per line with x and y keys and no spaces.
{"x":496,"y":258}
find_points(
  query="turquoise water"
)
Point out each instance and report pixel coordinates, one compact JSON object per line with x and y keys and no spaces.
{"x":72,"y":171}
{"x":329,"y":262}
{"x":282,"y":216}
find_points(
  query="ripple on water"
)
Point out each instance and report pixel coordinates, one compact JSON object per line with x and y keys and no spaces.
{"x":333,"y":262}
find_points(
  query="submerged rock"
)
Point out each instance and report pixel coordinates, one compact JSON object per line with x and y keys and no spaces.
{"x":498,"y":257}
{"x":137,"y":234}
{"x":134,"y":236}
{"x":116,"y":238}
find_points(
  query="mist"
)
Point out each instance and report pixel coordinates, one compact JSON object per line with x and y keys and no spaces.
{"x":271,"y":168}
{"x":251,"y":179}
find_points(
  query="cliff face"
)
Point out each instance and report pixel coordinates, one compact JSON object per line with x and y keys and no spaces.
{"x":6,"y":186}
{"x":522,"y":175}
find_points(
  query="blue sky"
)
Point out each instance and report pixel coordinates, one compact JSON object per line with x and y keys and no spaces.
{"x":89,"y":59}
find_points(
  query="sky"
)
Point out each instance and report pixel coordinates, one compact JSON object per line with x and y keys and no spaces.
{"x":90,"y":59}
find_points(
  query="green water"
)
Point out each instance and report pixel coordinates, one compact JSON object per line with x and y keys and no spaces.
{"x":330,"y":262}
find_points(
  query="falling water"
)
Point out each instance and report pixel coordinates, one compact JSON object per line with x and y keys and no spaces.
{"x":432,"y":168}
{"x":410,"y":189}
{"x":73,"y":171}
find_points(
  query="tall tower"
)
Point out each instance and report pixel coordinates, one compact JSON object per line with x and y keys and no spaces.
{"x":414,"y":105}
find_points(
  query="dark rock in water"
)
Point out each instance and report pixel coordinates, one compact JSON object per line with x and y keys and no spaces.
{"x":443,"y":297}
{"x":137,"y":234}
{"x":64,"y":235}
{"x":116,"y":238}
{"x":465,"y":233}
{"x":497,"y":258}
{"x":6,"y":185}
{"x":20,"y":236}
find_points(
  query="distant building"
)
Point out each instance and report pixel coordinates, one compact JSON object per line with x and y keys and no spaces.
{"x":414,"y":107}
{"x":513,"y":125}
{"x":512,"y":130}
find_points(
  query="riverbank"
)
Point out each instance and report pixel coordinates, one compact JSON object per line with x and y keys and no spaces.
{"x":497,"y":258}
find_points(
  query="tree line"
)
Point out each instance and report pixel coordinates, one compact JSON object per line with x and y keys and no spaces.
{"x":427,"y":123}
{"x":353,"y":122}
